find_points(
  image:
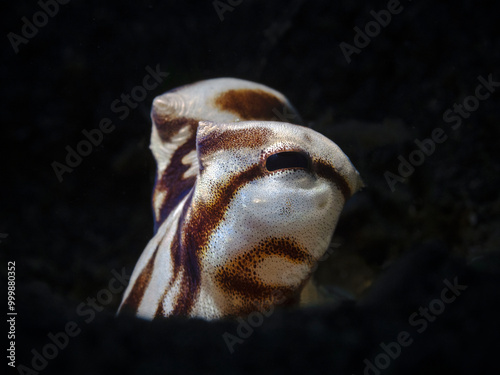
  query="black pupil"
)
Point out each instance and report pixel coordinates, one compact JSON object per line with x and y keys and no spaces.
{"x":289,"y":159}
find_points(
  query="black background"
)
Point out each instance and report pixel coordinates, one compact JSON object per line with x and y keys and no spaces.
{"x":395,"y":248}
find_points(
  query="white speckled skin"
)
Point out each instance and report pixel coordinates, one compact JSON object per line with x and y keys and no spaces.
{"x":244,"y":205}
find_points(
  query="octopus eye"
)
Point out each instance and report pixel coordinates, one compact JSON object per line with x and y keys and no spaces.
{"x":285,"y":160}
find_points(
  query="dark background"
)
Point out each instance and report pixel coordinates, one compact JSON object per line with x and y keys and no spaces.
{"x":394,"y":248}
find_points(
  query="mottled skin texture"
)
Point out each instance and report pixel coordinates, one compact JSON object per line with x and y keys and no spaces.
{"x":244,"y":205}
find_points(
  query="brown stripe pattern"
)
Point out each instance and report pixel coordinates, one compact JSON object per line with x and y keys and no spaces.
{"x":133,"y":300}
{"x":238,"y":278}
{"x":172,"y":180}
{"x":249,"y":104}
{"x":327,"y":171}
{"x":233,"y":139}
{"x":211,"y":175}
